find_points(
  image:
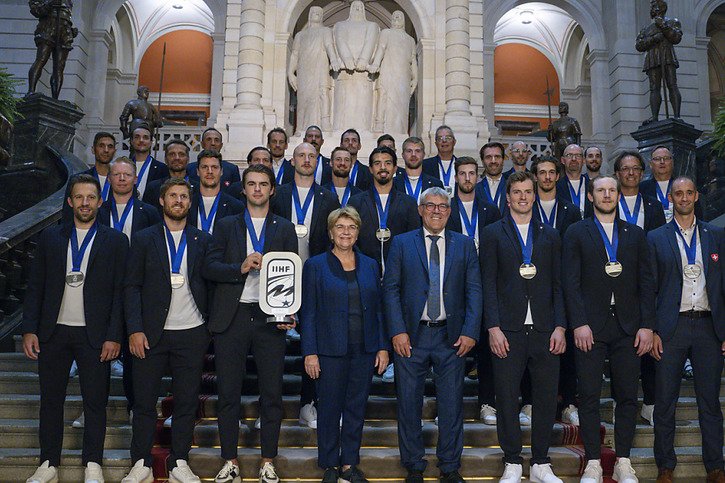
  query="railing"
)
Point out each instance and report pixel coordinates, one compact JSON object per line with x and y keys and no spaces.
{"x":190,"y":135}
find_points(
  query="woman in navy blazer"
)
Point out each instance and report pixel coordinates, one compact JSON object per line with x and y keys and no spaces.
{"x":343,"y":342}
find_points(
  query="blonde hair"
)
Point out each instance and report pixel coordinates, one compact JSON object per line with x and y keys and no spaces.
{"x":346,"y":212}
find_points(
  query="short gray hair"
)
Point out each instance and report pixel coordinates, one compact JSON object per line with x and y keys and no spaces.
{"x":434,"y":191}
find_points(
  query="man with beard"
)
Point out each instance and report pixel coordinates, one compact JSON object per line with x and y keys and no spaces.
{"x":211,"y":204}
{"x":385,"y":212}
{"x":359,"y":176}
{"x":519,"y":152}
{"x":593,"y":161}
{"x":239,"y":325}
{"x":609,"y":292}
{"x":257,"y":155}
{"x":492,"y":187}
{"x":277,"y":145}
{"x":166,"y":309}
{"x":573,"y":186}
{"x":72,"y":311}
{"x":176,"y":156}
{"x":211,"y":140}
{"x":412,"y":180}
{"x":147,"y":168}
{"x":441,"y":165}
{"x":313,"y":136}
{"x":526,"y":322}
{"x":689,"y":286}
{"x":341,"y":184}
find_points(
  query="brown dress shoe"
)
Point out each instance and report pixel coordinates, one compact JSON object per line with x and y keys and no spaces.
{"x":664,"y":475}
{"x":716,"y":476}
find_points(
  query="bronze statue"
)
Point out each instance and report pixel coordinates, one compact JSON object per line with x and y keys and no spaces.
{"x":658,"y":40}
{"x":564,"y":131}
{"x":53,"y":37}
{"x":141,"y":112}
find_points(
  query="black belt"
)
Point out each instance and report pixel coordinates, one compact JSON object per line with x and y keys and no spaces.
{"x":696,"y":314}
{"x":434,"y":323}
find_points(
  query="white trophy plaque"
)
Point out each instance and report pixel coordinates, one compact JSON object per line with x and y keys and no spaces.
{"x":280,"y":286}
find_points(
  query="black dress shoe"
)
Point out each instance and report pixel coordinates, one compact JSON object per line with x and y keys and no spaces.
{"x":414,"y":477}
{"x":352,"y":475}
{"x":330,"y":476}
{"x":452,"y":477}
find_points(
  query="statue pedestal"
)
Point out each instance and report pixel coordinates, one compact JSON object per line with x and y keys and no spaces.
{"x":44,"y":121}
{"x":368,"y":142}
{"x":244,"y":125}
{"x":674,"y":134}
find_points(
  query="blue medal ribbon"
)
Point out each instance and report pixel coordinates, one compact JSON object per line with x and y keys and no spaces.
{"x":119,"y":223}
{"x":663,"y":196}
{"x":548,"y":220}
{"x":76,"y":252}
{"x":446,"y":174}
{"x":345,"y":194}
{"x":104,"y":187}
{"x":301,"y":209}
{"x":499,"y":190}
{"x":382,"y":212}
{"x":631,"y":217}
{"x":318,"y":167}
{"x":576,"y":195}
{"x":469,"y":224}
{"x":257,"y":243}
{"x":144,"y":167}
{"x":207,"y":220}
{"x":280,"y":173}
{"x":610,"y":247}
{"x":353,"y":172}
{"x":176,"y":254}
{"x":415,"y":193}
{"x":527,"y":249}
{"x":691,"y":249}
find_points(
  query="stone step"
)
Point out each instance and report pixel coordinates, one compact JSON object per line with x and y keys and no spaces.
{"x":21,"y":406}
{"x":687,"y":434}
{"x":686,"y":408}
{"x":689,"y":463}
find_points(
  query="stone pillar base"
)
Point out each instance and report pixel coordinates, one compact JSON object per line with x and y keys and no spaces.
{"x":245,"y":128}
{"x":466,"y":129}
{"x":676,"y":135}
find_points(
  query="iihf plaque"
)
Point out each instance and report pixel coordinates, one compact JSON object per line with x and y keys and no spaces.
{"x":280,"y":286}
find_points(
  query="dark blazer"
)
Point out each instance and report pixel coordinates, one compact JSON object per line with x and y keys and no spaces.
{"x":288,"y":173}
{"x":324,"y":312}
{"x":562,"y":192}
{"x":402,"y":217}
{"x":487,"y":214}
{"x":228,"y":206}
{"x":157,"y":170}
{"x":102,"y":289}
{"x":654,"y":215}
{"x":667,"y":268}
{"x":567,"y":214}
{"x":405,"y":286}
{"x":427,"y":180}
{"x":144,"y":215}
{"x":324,"y":203}
{"x":430,"y":167}
{"x":506,"y":293}
{"x":147,"y":293}
{"x":230,"y":173}
{"x":648,"y":187}
{"x":502,"y":202}
{"x":227,"y":252}
{"x":153,"y":192}
{"x":588,"y":289}
{"x":363,"y":181}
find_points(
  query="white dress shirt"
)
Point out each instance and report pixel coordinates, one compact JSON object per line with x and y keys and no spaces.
{"x":694,"y":294}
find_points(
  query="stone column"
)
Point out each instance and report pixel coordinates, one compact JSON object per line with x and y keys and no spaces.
{"x":489,"y":105}
{"x":703,"y":81}
{"x":217,"y":74}
{"x":600,"y":107}
{"x":99,"y":43}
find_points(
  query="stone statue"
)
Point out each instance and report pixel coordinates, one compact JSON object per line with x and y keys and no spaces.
{"x":313,"y":57}
{"x":53,"y":37}
{"x":564,"y":131}
{"x":355,"y":40}
{"x":658,"y":40}
{"x":395,"y":59}
{"x":141,"y":112}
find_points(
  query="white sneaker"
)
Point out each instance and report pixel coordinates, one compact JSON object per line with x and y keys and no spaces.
{"x":130,"y":418}
{"x":116,"y":368}
{"x":139,"y":474}
{"x":593,"y":473}
{"x":94,"y":473}
{"x":308,"y":415}
{"x":389,"y":374}
{"x":648,"y":413}
{"x":73,"y":369}
{"x":292,"y":334}
{"x":183,"y":474}
{"x":511,"y":473}
{"x":614,"y":412}
{"x":570,"y":415}
{"x":44,"y":474}
{"x":228,"y":473}
{"x":258,"y":423}
{"x":80,"y":421}
{"x":543,"y":474}
{"x":168,"y":421}
{"x":267,"y":474}
{"x":525,"y":415}
{"x":488,"y":415}
{"x":623,"y":471}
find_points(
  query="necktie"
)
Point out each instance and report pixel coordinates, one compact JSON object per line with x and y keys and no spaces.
{"x":434,"y":282}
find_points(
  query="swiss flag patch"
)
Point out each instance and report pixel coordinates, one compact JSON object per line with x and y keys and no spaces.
{"x":227,"y":183}
{"x":715,"y":257}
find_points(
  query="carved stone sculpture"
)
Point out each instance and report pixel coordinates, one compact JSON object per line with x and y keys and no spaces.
{"x":141,"y":113}
{"x":564,"y":131}
{"x":53,"y":37}
{"x":396,"y":61}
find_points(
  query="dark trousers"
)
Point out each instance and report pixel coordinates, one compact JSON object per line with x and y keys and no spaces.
{"x":624,"y":363}
{"x":431,"y":348}
{"x":344,"y":385}
{"x":127,"y":359}
{"x":567,"y":372}
{"x":648,"y":369}
{"x":249,"y":330}
{"x":182,"y":351}
{"x":484,"y":367}
{"x":696,"y":339}
{"x":308,"y":392}
{"x":54,"y":361}
{"x":529,"y":348}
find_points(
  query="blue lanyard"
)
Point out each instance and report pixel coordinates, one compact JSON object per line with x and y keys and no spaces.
{"x":499,"y":190}
{"x":345,"y":194}
{"x":176,"y":255}
{"x":300,"y":209}
{"x":144,"y":167}
{"x":663,"y":196}
{"x":353,"y":172}
{"x":631,"y":217}
{"x":691,"y":249}
{"x":576,"y":196}
{"x":318,"y":167}
{"x":382,"y":212}
{"x":280,"y":173}
{"x":409,"y":188}
{"x":257,"y":243}
{"x":446,"y":174}
{"x":527,"y":248}
{"x":610,"y":247}
{"x":551,"y":220}
{"x":118,"y":224}
{"x":469,"y":224}
{"x":104,"y":188}
{"x":207,"y":220}
{"x":77,"y":253}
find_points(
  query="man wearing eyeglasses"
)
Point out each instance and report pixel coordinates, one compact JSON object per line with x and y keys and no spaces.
{"x":519,"y":153}
{"x":441,"y":165}
{"x":433,"y":304}
{"x":573,"y":185}
{"x":593,"y":161}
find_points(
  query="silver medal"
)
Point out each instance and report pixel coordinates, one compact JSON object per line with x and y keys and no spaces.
{"x":74,"y":279}
{"x":383,"y":234}
{"x":301,"y":231}
{"x":527,"y":271}
{"x":177,"y":280}
{"x":692,"y":271}
{"x":613,"y":269}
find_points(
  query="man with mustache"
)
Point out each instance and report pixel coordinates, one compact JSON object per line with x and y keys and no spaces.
{"x":313,"y":136}
{"x":572,"y":187}
{"x":411,"y":179}
{"x":176,"y":156}
{"x":341,"y":184}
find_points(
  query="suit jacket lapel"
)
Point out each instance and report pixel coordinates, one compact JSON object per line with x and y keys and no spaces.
{"x":194,"y":209}
{"x":136,"y":218}
{"x":455,"y":219}
{"x":100,"y":240}
{"x":192,"y":241}
{"x":240,"y":237}
{"x":420,"y":247}
{"x":162,"y":250}
{"x":317,"y":208}
{"x":508,"y":228}
{"x":672,"y":239}
{"x":600,"y":251}
{"x":451,"y":247}
{"x":704,"y":234}
{"x":270,"y":231}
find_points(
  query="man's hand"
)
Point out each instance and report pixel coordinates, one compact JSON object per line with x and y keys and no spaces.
{"x":382,"y":359}
{"x":723,"y":348}
{"x":31,"y":346}
{"x":643,"y":341}
{"x":583,"y":338}
{"x":557,"y":341}
{"x":657,"y":349}
{"x":498,"y":342}
{"x":312,"y":366}
{"x":252,"y":262}
{"x":464,"y":344}
{"x":138,"y":344}
{"x":110,"y":350}
{"x":287,"y":327}
{"x":401,"y":344}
